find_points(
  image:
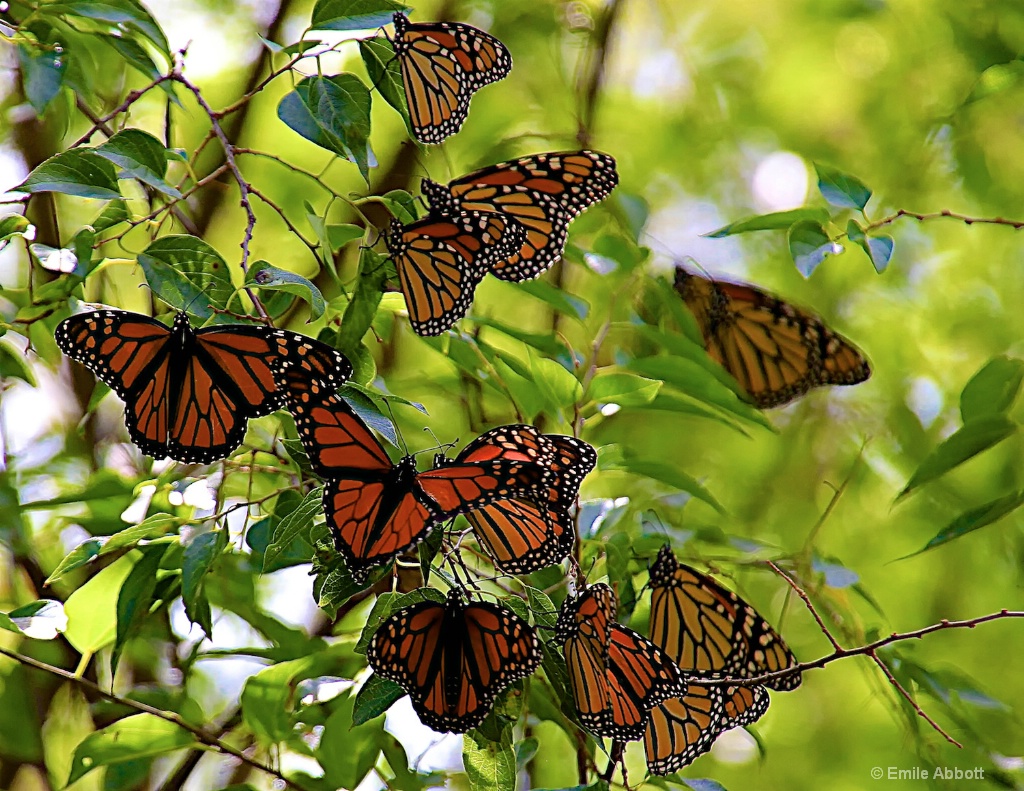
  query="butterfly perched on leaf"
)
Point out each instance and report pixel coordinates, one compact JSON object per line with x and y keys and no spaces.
{"x":377,"y":508}
{"x":188,"y":393}
{"x":616,"y":675}
{"x":526,"y":533}
{"x":775,"y":350}
{"x":544,"y":192}
{"x":709,"y":632}
{"x":440,"y":260}
{"x":443,"y":64}
{"x":453,"y":659}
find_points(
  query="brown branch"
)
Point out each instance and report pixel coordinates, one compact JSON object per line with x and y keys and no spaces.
{"x":129,"y":100}
{"x":807,"y":601}
{"x":168,"y":716}
{"x":944,"y":214}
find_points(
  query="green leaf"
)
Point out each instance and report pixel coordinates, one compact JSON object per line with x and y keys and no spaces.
{"x":771,"y":222}
{"x":263,"y":276}
{"x":43,"y":73}
{"x":613,"y":457}
{"x":334,"y":113}
{"x":978,"y":435}
{"x":563,"y":302}
{"x":545,"y":614}
{"x":139,"y":736}
{"x":78,"y":172}
{"x":141,"y":156}
{"x":526,"y":750}
{"x":809,"y":245}
{"x":841,"y":189}
{"x":348,"y":751}
{"x":974,"y":519}
{"x":153,"y":527}
{"x":137,"y":57}
{"x":879,"y":248}
{"x":386,"y":74}
{"x":561,"y":388}
{"x":365,"y":299}
{"x":342,"y":234}
{"x":134,"y":599}
{"x":121,"y":14}
{"x":623,"y":389}
{"x":200,"y":555}
{"x":337,"y":588}
{"x":13,"y":365}
{"x":993,"y":389}
{"x":268,"y":697}
{"x":374,"y":698}
{"x":113,"y":213}
{"x":297,"y":523}
{"x":187,"y":273}
{"x":353,"y":14}
{"x":402,"y":206}
{"x":41,"y":620}
{"x":490,"y":766}
{"x":92,"y":609}
{"x":13,"y":225}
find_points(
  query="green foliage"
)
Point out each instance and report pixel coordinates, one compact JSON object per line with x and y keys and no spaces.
{"x":105,"y":565}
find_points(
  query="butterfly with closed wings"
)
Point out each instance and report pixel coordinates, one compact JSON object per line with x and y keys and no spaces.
{"x":188,"y":393}
{"x":709,"y":632}
{"x":774,"y":350}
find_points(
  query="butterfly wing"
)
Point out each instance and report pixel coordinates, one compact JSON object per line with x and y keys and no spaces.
{"x":584,"y":628}
{"x":776,"y":351}
{"x":441,"y":259}
{"x":453,"y":660}
{"x":544,"y":192}
{"x":442,"y":65}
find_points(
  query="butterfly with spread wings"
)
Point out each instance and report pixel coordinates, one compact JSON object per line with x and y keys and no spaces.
{"x":710,"y":632}
{"x":775,"y":350}
{"x":527,"y":533}
{"x":440,"y":260}
{"x":375,"y":508}
{"x":453,"y":659}
{"x":544,"y":192}
{"x":616,"y":676}
{"x":443,"y":64}
{"x":188,"y":393}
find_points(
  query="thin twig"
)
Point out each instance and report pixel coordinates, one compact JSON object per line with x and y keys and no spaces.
{"x":944,"y":214}
{"x":806,"y":599}
{"x":167,"y":716}
{"x":129,"y":100}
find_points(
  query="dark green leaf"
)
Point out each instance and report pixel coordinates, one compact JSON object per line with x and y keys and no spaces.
{"x":128,"y":13}
{"x":153,"y":527}
{"x":427,"y":551}
{"x":78,"y":172}
{"x":702,"y":784}
{"x":334,"y":113}
{"x":809,"y":245}
{"x":611,"y":457}
{"x":402,"y":206}
{"x":297,"y":523}
{"x":139,"y":59}
{"x":974,"y":519}
{"x":993,"y":389}
{"x":841,"y":189}
{"x":374,"y":698}
{"x":337,"y":588}
{"x":353,"y":14}
{"x":490,"y":766}
{"x":43,"y":73}
{"x":113,"y":213}
{"x":41,"y":620}
{"x":878,"y":248}
{"x":12,"y":225}
{"x":544,"y":612}
{"x":385,"y":73}
{"x":342,"y":234}
{"x":771,"y":222}
{"x":382,"y":608}
{"x":976,"y":436}
{"x":141,"y":156}
{"x":187,"y":273}
{"x":525,"y":752}
{"x":565,"y":303}
{"x":263,"y":276}
{"x":363,"y":307}
{"x":200,"y":555}
{"x":138,"y":736}
{"x":135,"y":598}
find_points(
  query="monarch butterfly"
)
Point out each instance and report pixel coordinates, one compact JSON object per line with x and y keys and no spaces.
{"x":616,"y":676}
{"x":454,"y":658}
{"x":188,"y":392}
{"x":713,"y":632}
{"x":443,"y":64}
{"x":776,"y":351}
{"x":440,"y":260}
{"x":544,"y":192}
{"x":376,"y":509}
{"x":524,"y":534}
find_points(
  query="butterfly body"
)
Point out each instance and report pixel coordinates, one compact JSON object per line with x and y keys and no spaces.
{"x":543,"y":192}
{"x":441,"y":259}
{"x":775,"y":350}
{"x":188,"y":393}
{"x":443,"y":64}
{"x":454,"y":658}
